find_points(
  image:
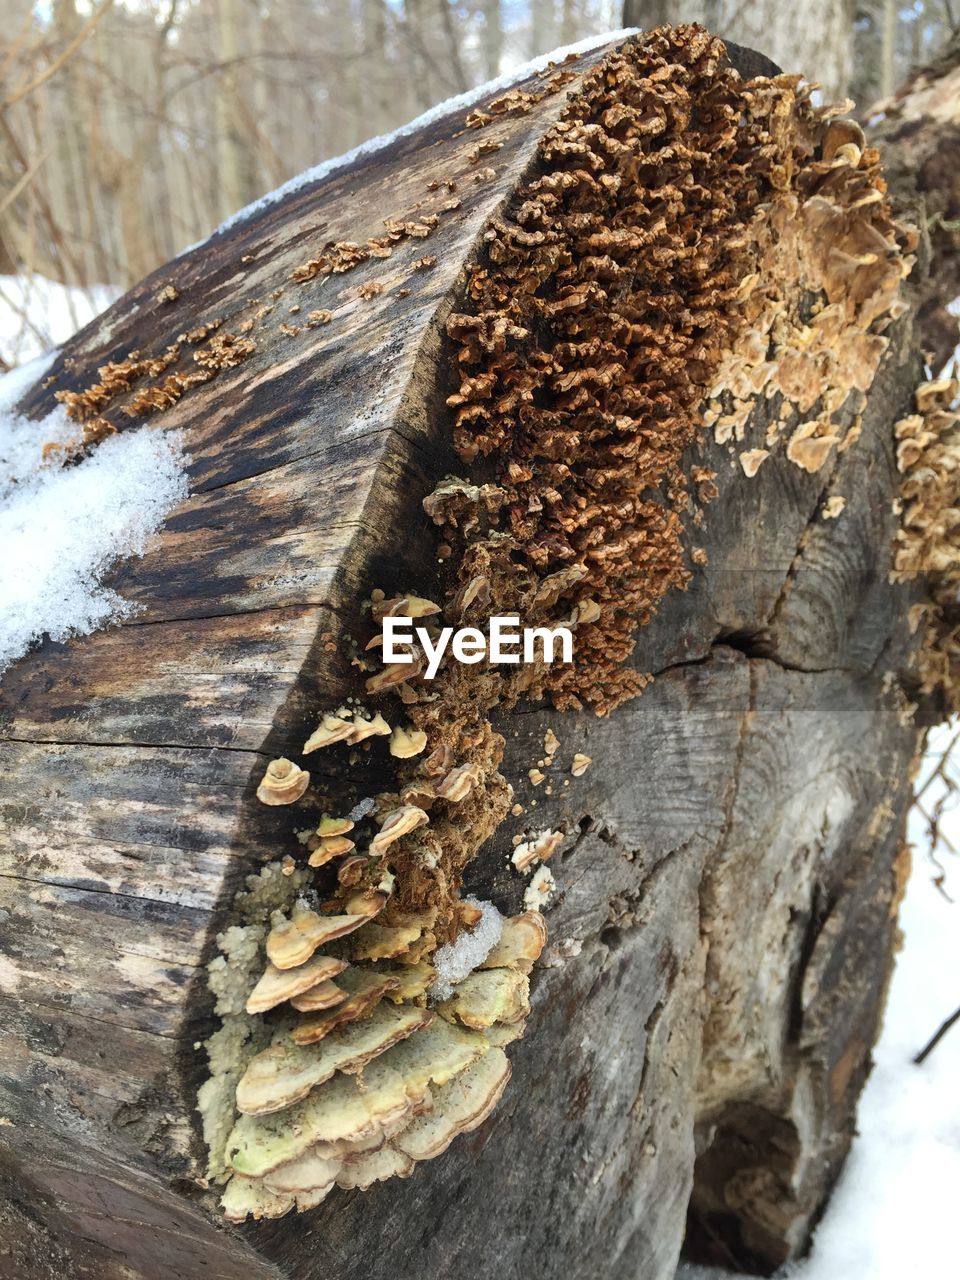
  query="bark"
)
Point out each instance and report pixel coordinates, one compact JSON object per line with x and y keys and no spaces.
{"x":918,"y":133}
{"x":727,"y":883}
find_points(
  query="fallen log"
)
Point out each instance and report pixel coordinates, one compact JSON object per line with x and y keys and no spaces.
{"x":646,"y":312}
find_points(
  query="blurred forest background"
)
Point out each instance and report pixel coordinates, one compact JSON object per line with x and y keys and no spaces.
{"x":131,"y":128}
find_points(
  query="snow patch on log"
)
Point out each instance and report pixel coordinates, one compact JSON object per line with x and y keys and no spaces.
{"x":62,"y":528}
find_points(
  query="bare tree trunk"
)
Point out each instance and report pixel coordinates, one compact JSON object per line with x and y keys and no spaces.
{"x":237,"y":185}
{"x":492,"y":38}
{"x":817,"y":36}
{"x":888,"y":48}
{"x":919,"y":135}
{"x":725,"y":850}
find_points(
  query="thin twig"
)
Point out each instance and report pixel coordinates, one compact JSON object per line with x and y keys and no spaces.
{"x":932,"y":1043}
{"x":941,"y":765}
{"x":61,"y":57}
{"x":22,"y":181}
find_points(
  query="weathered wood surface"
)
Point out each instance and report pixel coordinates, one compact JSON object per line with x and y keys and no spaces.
{"x":918,"y":130}
{"x":720,"y":941}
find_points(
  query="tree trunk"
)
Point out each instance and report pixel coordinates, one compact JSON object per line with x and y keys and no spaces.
{"x":816,"y":38}
{"x":728,"y":866}
{"x":918,"y":132}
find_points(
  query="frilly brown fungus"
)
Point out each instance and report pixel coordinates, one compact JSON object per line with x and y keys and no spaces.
{"x":656,"y":259}
{"x":213,"y":351}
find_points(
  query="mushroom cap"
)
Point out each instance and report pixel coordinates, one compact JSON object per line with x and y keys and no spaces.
{"x":339,"y":1112}
{"x":331,"y":729}
{"x":377,"y":1166}
{"x":521,"y":941}
{"x":488,"y":996}
{"x":383,"y":942}
{"x":365,"y":988}
{"x":407,"y":742}
{"x":328,"y":827}
{"x":283,"y":1074}
{"x":363,"y":729}
{"x":282,"y":783}
{"x":458,"y":1107}
{"x":330,"y":847}
{"x":396,"y":824}
{"x":323,"y":996}
{"x":293,"y":943}
{"x":277,"y":985}
{"x":249,"y":1197}
{"x":458,"y":783}
{"x":436,"y":1055}
{"x":580,"y":764}
{"x":311,"y":1172}
{"x":413,"y":980}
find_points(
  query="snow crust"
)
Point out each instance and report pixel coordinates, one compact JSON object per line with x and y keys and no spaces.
{"x":63,"y":528}
{"x":372,"y":145}
{"x":457,"y":960}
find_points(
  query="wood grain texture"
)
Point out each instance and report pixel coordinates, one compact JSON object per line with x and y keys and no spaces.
{"x":741,"y":817}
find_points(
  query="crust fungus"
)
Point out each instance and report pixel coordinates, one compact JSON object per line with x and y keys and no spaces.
{"x":927,"y":544}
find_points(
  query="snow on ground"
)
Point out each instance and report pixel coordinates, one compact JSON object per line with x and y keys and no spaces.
{"x":63,"y":528}
{"x":37,"y":314}
{"x":891,"y":1214}
{"x":460,"y":103}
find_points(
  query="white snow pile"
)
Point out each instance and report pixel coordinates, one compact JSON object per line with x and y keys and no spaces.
{"x":460,"y":103}
{"x":457,"y":960}
{"x":63,"y":528}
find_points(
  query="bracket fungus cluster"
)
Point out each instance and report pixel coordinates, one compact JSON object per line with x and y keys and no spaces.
{"x":353,"y":1077}
{"x":684,"y":243}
